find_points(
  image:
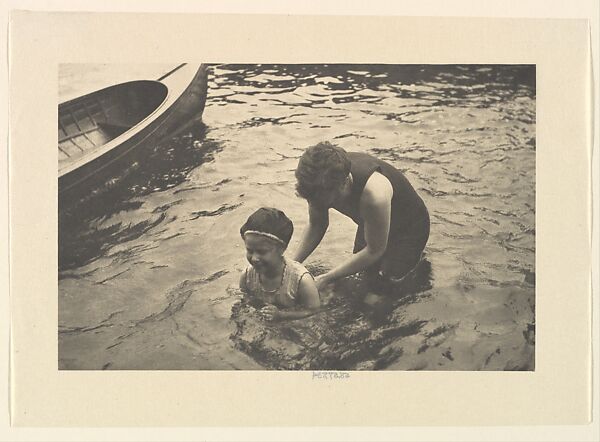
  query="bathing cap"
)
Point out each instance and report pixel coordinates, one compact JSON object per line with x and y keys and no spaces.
{"x":271,"y":223}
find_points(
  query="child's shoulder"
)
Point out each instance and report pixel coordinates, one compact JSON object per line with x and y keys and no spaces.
{"x":290,"y":262}
{"x":296,"y":267}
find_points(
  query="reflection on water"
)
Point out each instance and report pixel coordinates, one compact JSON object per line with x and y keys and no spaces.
{"x":354,"y":330}
{"x":149,"y":261}
{"x":164,"y":166}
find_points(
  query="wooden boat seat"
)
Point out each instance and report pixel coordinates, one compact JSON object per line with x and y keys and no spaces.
{"x":110,"y":120}
{"x":114,"y":129}
{"x":88,"y":125}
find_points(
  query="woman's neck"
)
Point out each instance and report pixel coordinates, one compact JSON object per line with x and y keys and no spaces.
{"x":345,"y":193}
{"x":348,"y":186}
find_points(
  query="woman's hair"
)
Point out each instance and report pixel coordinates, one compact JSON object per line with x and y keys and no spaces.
{"x":269,"y":222}
{"x":322,"y":167}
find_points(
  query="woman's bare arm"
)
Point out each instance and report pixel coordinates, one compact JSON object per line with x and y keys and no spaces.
{"x":376,"y":209}
{"x":318,"y":223}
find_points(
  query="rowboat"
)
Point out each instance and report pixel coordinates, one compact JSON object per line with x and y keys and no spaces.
{"x":100,"y":132}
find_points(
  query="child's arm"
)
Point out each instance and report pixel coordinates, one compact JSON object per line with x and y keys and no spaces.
{"x":243,"y":286}
{"x":308,"y":296}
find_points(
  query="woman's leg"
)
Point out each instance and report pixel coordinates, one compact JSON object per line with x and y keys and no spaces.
{"x":404,"y":253}
{"x":401,"y":257}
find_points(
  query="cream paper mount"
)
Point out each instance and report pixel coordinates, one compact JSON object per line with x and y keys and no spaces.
{"x":557,"y":392}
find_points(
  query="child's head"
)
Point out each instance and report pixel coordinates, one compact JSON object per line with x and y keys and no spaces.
{"x":322,"y":171}
{"x":266,"y":234}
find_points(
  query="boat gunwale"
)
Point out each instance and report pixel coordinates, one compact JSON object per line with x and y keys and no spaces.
{"x":141,"y":125}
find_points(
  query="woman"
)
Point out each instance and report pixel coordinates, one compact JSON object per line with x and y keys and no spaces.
{"x":393,"y":222}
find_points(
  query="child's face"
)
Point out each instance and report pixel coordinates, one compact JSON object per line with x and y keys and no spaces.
{"x":262,"y":253}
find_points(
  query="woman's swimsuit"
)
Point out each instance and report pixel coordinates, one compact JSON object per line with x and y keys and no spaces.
{"x":409,"y":225}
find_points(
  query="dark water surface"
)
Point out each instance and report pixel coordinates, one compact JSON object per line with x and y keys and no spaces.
{"x":148,"y":265}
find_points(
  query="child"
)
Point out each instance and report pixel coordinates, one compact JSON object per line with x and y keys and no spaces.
{"x":284,"y":285}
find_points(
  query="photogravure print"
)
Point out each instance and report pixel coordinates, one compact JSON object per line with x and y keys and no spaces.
{"x":160,"y":171}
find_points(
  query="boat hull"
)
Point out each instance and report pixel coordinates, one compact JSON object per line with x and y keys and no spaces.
{"x":187,"y":107}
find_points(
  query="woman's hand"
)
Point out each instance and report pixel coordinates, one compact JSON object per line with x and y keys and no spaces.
{"x":270,"y":313}
{"x":322,"y":281}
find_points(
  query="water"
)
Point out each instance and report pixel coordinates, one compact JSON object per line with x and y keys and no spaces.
{"x":148,"y":268}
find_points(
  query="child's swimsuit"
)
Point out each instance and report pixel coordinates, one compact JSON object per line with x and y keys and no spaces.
{"x":286,"y":294}
{"x":409,"y":226}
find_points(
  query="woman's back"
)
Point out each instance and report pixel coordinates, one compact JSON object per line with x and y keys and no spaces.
{"x":408,"y":209}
